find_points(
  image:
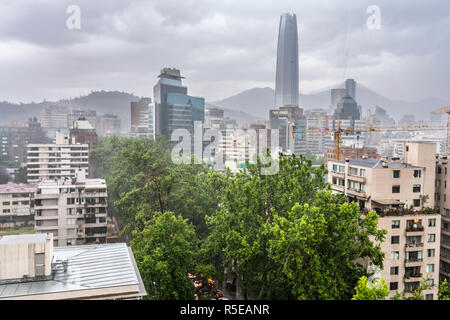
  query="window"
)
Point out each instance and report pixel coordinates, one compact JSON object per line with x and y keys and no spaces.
{"x":395,"y":255}
{"x":416,"y":188}
{"x":394,"y":270}
{"x":342,"y":169}
{"x":71,"y":221}
{"x":429,"y":296}
{"x":335,"y":167}
{"x":395,"y":224}
{"x":362,"y":172}
{"x":432,"y":222}
{"x":393,"y":286}
{"x":430,"y":253}
{"x":396,"y":173}
{"x":430,"y":282}
{"x":396,"y":189}
{"x":431,"y":238}
{"x":417,"y":173}
{"x":430,"y":267}
{"x":353,"y":171}
{"x":71,"y":232}
{"x":416,"y":202}
{"x":395,"y":239}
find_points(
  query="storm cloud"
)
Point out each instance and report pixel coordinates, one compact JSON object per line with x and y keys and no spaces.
{"x":222,"y":47}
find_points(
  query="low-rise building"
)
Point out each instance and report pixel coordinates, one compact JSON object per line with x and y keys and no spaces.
{"x":32,"y":269}
{"x":74,"y":211}
{"x":16,"y":204}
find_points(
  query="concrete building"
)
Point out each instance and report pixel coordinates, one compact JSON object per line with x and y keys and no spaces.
{"x":55,"y":117}
{"x":109,"y":125}
{"x":174,"y":108}
{"x":74,"y":212}
{"x":16,"y":204}
{"x":83,"y":132}
{"x":32,"y":269}
{"x":316,"y":119}
{"x":14,"y":140}
{"x":411,"y":251}
{"x":79,"y":113}
{"x":402,"y":193}
{"x":351,"y":153}
{"x":442,"y":197}
{"x":285,"y":119}
{"x":142,"y":118}
{"x":56,"y":161}
{"x":286,"y":81}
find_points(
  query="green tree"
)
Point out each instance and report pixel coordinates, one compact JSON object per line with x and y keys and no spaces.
{"x":370,"y":291}
{"x":164,"y":255}
{"x":21,"y":176}
{"x":264,"y":221}
{"x":316,"y":247}
{"x":444,"y":292}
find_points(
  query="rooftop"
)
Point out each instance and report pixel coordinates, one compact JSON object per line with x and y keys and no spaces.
{"x":94,"y":271}
{"x":25,"y":238}
{"x":377,"y":164}
{"x":17,"y":188}
{"x":69,"y":182}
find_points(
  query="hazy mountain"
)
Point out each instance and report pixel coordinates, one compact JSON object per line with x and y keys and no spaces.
{"x":258,"y":101}
{"x":242,"y":118}
{"x":114,"y":102}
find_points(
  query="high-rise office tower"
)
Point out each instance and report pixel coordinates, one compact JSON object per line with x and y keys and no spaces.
{"x":286,"y":84}
{"x":174,"y":108}
{"x":350,"y":86}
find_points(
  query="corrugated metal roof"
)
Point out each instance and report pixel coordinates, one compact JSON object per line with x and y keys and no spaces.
{"x":89,"y":267}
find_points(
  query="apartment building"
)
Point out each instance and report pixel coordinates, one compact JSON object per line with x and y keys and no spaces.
{"x":442,"y":197}
{"x":379,"y":183}
{"x":74,"y":211}
{"x":16,"y":204}
{"x":32,"y":269}
{"x":402,"y":193}
{"x":56,"y":161}
{"x":351,"y":153}
{"x":411,"y":248}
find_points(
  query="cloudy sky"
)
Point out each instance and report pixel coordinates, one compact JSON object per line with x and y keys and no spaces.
{"x":222,"y":47}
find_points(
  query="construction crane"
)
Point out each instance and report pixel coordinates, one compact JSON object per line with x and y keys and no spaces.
{"x":447,"y":111}
{"x":339,"y":132}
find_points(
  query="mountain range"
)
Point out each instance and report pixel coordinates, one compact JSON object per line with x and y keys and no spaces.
{"x":258,"y":102}
{"x":246,"y":107}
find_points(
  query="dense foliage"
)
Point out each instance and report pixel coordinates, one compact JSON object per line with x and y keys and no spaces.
{"x":282,"y":236}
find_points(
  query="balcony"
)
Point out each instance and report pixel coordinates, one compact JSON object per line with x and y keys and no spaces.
{"x":415,"y":229}
{"x":414,"y":245}
{"x":413,"y":276}
{"x":413,"y":260}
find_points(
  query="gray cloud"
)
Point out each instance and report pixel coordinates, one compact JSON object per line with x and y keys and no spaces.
{"x":222,"y":47}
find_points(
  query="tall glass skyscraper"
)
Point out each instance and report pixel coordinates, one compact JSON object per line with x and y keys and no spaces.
{"x":174,"y":108}
{"x":286,"y":84}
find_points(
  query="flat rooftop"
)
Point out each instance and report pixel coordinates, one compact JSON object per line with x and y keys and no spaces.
{"x":25,"y":238}
{"x":68,"y":182}
{"x":17,"y":188}
{"x":94,"y":272}
{"x":376,"y":164}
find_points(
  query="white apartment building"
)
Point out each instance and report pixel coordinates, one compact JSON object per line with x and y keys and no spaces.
{"x":75,"y":212}
{"x":56,"y":161}
{"x":315,"y":142}
{"x":16,"y":204}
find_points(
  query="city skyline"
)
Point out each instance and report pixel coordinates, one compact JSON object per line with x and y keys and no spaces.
{"x":118,"y":46}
